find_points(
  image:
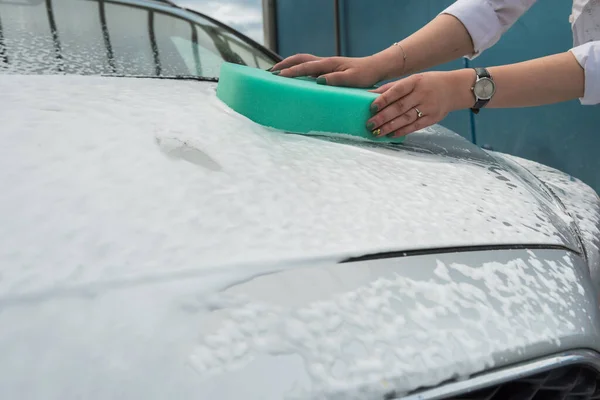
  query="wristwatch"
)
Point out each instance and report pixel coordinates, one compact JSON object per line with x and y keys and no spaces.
{"x":483,"y":89}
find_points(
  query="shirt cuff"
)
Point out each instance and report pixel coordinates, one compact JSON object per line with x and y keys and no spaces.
{"x":588,"y":56}
{"x":480,"y":20}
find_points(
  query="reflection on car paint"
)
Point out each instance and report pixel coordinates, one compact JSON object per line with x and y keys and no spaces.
{"x":413,"y":329}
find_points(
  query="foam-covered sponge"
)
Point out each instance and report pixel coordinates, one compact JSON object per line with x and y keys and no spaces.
{"x":297,"y":105}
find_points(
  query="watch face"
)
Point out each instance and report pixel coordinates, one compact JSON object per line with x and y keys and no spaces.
{"x":484,"y":88}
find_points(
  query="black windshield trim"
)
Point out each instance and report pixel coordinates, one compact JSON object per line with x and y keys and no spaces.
{"x":55,"y":37}
{"x":3,"y":55}
{"x":173,"y":77}
{"x":106,"y":35}
{"x":153,"y":44}
{"x":457,"y":249}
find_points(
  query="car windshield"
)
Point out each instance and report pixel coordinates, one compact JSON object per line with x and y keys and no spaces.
{"x":118,"y":37}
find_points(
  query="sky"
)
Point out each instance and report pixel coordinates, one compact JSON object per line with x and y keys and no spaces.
{"x":243,"y":15}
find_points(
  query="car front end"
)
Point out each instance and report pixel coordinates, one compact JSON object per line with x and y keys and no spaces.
{"x":158,"y":245}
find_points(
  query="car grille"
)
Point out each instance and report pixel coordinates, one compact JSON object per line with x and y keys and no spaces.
{"x":566,"y":383}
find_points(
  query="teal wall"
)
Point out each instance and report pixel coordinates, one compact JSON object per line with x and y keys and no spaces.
{"x":564,"y":136}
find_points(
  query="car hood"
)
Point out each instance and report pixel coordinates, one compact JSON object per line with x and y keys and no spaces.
{"x":157,"y":244}
{"x":109,"y":176}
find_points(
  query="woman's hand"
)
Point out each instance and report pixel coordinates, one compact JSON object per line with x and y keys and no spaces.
{"x":334,"y":71}
{"x":419,"y":101}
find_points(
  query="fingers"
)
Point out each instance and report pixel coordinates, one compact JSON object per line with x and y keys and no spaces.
{"x":398,"y":90}
{"x":408,"y":105}
{"x":420,"y":123}
{"x":383,"y":88}
{"x":309,"y":68}
{"x":294,"y":60}
{"x":397,"y":123}
{"x":346,"y":78}
{"x":396,"y":109}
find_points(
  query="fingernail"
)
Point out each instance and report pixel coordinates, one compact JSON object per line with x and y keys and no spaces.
{"x":370,"y":126}
{"x":275,"y":72}
{"x":374,"y":108}
{"x":269,"y":69}
{"x":322,"y":80}
{"x":376,"y":132}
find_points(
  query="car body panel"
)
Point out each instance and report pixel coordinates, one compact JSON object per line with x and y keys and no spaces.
{"x":579,"y":200}
{"x":306,"y":331}
{"x":140,"y":175}
{"x":155,"y":244}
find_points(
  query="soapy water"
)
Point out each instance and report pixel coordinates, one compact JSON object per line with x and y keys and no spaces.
{"x":304,"y":331}
{"x":389,"y":336}
{"x":95,"y":193}
{"x":88,"y":188}
{"x":581,"y":203}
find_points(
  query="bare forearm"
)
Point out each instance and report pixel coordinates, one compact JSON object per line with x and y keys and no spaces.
{"x":545,"y":80}
{"x":442,"y":40}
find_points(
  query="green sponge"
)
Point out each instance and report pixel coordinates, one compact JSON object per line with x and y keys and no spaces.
{"x":297,"y":105}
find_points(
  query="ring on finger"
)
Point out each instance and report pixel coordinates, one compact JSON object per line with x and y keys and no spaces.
{"x":419,"y":113}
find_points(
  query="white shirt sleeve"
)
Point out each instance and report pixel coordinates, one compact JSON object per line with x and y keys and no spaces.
{"x":588,"y":56}
{"x":487,"y":20}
